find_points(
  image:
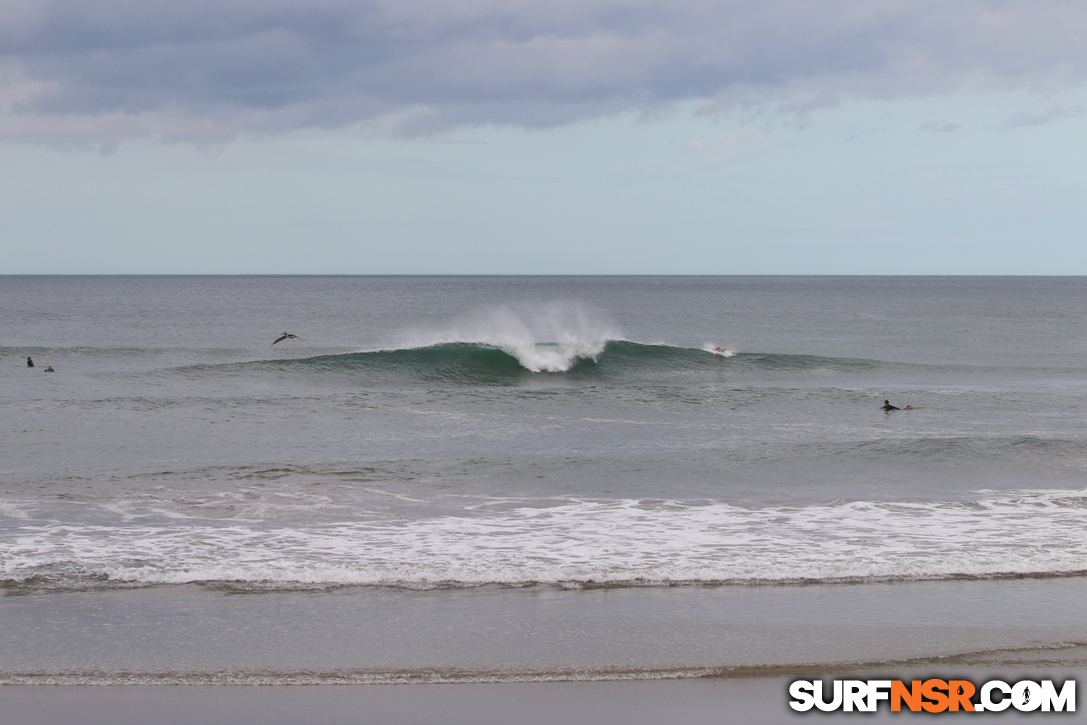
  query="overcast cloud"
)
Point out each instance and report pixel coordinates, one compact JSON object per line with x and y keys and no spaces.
{"x":102,"y":71}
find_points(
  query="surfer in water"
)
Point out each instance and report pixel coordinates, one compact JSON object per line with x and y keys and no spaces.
{"x":29,"y":363}
{"x":888,"y":407}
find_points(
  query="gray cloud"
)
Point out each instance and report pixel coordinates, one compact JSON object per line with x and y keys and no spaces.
{"x":1037,"y":118}
{"x":940,"y":127}
{"x":99,"y":71}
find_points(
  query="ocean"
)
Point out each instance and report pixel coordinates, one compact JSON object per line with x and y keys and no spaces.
{"x":498,"y":479}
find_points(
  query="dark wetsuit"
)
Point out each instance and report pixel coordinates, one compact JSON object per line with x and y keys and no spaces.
{"x":29,"y":363}
{"x":890,"y":407}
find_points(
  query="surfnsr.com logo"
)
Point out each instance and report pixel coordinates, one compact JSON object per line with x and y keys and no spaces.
{"x":933,"y":696}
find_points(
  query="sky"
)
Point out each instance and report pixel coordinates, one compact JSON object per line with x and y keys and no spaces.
{"x":533,"y":137}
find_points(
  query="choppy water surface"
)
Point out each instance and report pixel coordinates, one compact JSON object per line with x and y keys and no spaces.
{"x":439,"y":434}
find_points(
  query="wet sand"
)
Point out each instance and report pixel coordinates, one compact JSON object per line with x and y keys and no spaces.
{"x":190,"y":635}
{"x":249,"y":659}
{"x":762,"y":700}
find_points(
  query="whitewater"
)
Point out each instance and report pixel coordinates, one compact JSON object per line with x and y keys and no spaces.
{"x":583,"y":543}
{"x":529,"y":448}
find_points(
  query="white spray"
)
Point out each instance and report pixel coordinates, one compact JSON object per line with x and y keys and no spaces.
{"x":543,"y":338}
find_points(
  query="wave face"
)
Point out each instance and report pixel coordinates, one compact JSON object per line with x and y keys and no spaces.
{"x":579,"y":543}
{"x":467,"y":360}
{"x":502,"y":343}
{"x":547,"y":338}
{"x":485,"y":362}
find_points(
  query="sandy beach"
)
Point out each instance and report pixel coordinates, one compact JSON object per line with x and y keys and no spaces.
{"x":655,"y":702}
{"x":569,"y":512}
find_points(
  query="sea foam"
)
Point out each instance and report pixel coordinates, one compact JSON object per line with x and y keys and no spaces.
{"x":578,"y":542}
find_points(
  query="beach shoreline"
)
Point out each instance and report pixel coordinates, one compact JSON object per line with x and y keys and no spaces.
{"x":199,"y":635}
{"x":724,"y":700}
{"x":556,"y":505}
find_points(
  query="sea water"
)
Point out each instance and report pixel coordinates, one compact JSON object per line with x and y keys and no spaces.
{"x":511,"y":478}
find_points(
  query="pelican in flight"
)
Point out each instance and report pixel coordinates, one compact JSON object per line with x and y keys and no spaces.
{"x":287,"y":336}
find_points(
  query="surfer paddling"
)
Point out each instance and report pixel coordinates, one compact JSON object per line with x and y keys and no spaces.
{"x":287,"y":336}
{"x":888,"y":407}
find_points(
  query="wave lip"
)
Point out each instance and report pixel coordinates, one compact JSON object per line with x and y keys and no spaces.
{"x":536,"y":357}
{"x":482,"y":360}
{"x":488,"y":362}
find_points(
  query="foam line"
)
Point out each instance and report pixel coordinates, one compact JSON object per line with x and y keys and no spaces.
{"x":579,"y":542}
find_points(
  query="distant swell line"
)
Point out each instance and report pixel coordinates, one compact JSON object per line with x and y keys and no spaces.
{"x":487,"y":361}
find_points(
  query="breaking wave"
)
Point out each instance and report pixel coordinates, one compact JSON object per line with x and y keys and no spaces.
{"x":546,"y":338}
{"x":576,"y":542}
{"x":503,"y":343}
{"x":487,"y":362}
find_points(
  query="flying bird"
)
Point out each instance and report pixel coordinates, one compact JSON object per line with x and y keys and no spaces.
{"x":287,"y":336}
